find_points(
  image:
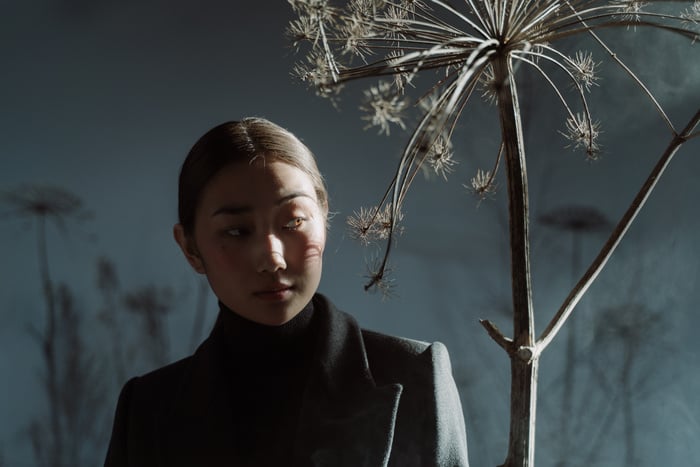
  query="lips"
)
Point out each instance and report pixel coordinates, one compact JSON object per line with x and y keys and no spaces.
{"x":274,"y":292}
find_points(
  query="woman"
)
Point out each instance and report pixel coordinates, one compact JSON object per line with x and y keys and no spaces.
{"x":285,"y":378}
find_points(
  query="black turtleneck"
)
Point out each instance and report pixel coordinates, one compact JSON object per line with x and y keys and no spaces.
{"x":267,"y":368}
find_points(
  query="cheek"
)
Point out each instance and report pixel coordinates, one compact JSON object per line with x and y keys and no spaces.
{"x":222,"y":255}
{"x":314,"y":245}
{"x":313,"y":251}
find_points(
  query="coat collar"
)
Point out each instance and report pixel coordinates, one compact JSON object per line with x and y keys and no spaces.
{"x":345,"y":418}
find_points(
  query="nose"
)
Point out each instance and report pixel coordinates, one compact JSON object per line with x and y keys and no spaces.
{"x":270,"y":257}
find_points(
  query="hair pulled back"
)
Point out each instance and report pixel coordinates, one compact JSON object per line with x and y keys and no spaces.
{"x":241,"y":142}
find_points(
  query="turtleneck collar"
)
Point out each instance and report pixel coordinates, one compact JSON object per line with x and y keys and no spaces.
{"x":246,"y":338}
{"x":265,"y":374}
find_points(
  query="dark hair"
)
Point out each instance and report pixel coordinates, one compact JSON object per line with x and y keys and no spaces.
{"x":240,"y":141}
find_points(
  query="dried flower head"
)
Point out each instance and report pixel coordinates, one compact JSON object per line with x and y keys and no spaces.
{"x":384,"y":106}
{"x":301,"y":30}
{"x":369,"y":225}
{"x":440,"y":157}
{"x":317,"y":73}
{"x":583,"y":134}
{"x":692,"y":14}
{"x":318,"y":10}
{"x":54,"y":203}
{"x":482,"y":184}
{"x":361,"y":225}
{"x":583,"y":68}
{"x":402,"y":75}
{"x":379,"y":275}
{"x":631,"y":10}
{"x":487,"y":85}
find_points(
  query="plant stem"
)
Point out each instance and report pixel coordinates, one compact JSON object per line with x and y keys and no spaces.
{"x":521,"y":447}
{"x":616,"y":236}
{"x":49,"y":346}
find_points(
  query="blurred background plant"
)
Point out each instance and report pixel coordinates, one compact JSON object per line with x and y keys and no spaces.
{"x":78,"y":378}
{"x":68,"y":375}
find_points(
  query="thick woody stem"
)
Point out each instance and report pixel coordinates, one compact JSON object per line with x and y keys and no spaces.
{"x":521,"y":448}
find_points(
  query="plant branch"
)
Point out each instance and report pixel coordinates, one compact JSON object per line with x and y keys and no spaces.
{"x":631,"y":74}
{"x":618,"y":233}
{"x":496,"y":334}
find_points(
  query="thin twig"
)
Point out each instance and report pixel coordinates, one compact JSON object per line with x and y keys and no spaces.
{"x":496,"y":334}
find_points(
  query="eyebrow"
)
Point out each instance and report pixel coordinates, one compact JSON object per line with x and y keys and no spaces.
{"x":234,"y":210}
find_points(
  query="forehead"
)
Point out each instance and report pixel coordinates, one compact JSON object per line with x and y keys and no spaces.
{"x":260,"y":182}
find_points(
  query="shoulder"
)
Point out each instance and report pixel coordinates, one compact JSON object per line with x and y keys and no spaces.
{"x":167,"y":376}
{"x":163,"y":386}
{"x":390,"y":358}
{"x":393,"y":358}
{"x":145,"y":395}
{"x":393,"y":344}
{"x":141,"y":401}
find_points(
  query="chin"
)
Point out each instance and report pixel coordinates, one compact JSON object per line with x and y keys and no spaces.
{"x":277,"y":314}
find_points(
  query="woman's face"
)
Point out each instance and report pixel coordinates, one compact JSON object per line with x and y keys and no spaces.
{"x":259,"y":235}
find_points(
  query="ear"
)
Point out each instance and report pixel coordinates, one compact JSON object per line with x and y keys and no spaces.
{"x":188,"y":248}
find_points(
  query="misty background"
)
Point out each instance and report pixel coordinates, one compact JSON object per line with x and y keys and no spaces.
{"x":103,"y":99}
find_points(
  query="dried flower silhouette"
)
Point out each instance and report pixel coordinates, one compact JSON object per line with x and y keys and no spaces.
{"x":446,"y":53}
{"x":153,"y":304}
{"x":42,"y":203}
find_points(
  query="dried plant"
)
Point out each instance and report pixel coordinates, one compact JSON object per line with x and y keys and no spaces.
{"x":482,"y":45}
{"x":370,"y":225}
{"x":80,"y":396}
{"x":57,"y":205}
{"x":74,"y":431}
{"x":72,"y":380}
{"x":152,"y":304}
{"x":621,"y":334}
{"x":577,"y":220}
{"x":109,"y":287}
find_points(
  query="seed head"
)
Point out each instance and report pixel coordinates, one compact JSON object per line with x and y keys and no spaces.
{"x":482,"y":184}
{"x":631,"y":9}
{"x":583,"y":68}
{"x":440,"y":157}
{"x":487,"y":84}
{"x":384,"y":106}
{"x":379,"y":275}
{"x":316,"y":72}
{"x":303,"y":29}
{"x":692,"y":13}
{"x":583,"y":133}
{"x":368,"y":225}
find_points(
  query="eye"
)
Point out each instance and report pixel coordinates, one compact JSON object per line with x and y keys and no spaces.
{"x":295,"y":223}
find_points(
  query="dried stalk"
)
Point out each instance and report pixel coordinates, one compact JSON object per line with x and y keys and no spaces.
{"x":523,"y":402}
{"x":48,"y":344}
{"x":618,"y":233}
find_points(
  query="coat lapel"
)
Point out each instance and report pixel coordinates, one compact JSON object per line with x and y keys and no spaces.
{"x":346,"y":420}
{"x":201,"y":413}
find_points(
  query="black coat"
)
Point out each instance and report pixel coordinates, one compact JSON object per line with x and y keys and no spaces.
{"x":371,"y":400}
